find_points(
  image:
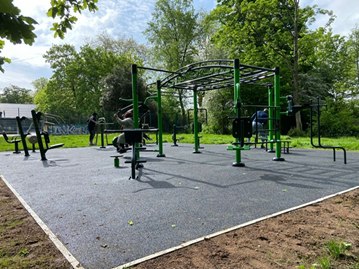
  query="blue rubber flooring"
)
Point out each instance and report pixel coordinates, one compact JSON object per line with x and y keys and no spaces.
{"x":88,"y":203}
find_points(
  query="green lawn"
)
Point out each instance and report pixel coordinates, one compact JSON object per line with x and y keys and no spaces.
{"x":76,"y":141}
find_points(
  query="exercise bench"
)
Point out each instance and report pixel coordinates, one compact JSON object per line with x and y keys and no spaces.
{"x":13,"y":140}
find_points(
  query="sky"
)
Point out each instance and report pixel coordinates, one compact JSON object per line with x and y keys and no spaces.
{"x":118,"y":17}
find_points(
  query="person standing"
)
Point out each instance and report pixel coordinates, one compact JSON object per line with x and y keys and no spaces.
{"x":259,"y":119}
{"x":91,"y":124}
{"x":127,"y":123}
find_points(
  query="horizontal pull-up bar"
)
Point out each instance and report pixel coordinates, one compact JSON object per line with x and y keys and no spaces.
{"x":160,"y":70}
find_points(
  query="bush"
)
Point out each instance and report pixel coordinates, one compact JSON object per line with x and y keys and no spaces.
{"x":295,"y":132}
{"x":338,"y":119}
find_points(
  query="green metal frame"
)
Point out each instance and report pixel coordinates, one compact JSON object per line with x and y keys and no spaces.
{"x":215,"y":75}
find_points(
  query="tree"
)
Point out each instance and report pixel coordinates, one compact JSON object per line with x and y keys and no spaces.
{"x":16,"y":95}
{"x":77,"y":82}
{"x":333,"y":64}
{"x":267,"y":31}
{"x":173,"y":32}
{"x":120,"y":45}
{"x":354,"y":52}
{"x":82,"y":78}
{"x":18,"y":28}
{"x":220,"y":105}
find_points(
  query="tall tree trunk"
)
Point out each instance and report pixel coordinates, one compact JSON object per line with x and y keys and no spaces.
{"x":183,"y":110}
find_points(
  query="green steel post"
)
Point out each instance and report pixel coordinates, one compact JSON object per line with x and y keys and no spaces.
{"x":135,"y":103}
{"x":271,"y":116}
{"x":38,"y":135}
{"x":195,"y":121}
{"x":23,"y":136}
{"x":237,"y":97}
{"x":159,"y":106}
{"x":277,"y":115}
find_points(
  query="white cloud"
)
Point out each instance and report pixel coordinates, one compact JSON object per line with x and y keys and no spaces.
{"x":346,"y":12}
{"x":118,"y":17}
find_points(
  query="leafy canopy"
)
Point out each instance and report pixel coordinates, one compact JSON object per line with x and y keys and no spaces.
{"x":18,"y":28}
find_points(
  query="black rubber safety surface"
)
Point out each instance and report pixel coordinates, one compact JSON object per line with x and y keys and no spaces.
{"x":106,"y":220}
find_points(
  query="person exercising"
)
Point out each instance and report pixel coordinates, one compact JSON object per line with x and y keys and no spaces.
{"x":258,"y":120}
{"x":91,"y":125}
{"x":126,"y":123}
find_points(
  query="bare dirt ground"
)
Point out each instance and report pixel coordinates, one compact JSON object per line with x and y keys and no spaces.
{"x":297,"y":239}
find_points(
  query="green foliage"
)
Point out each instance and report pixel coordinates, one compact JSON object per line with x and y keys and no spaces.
{"x":269,"y":33}
{"x":23,"y":252}
{"x":17,"y":28}
{"x":173,"y":32}
{"x":295,"y":132}
{"x":118,"y":85}
{"x":332,"y":64}
{"x":338,"y":119}
{"x":337,"y":249}
{"x":14,"y":27}
{"x":88,"y":80}
{"x":16,"y":95}
{"x":63,"y":8}
{"x":220,"y":105}
{"x":325,"y":262}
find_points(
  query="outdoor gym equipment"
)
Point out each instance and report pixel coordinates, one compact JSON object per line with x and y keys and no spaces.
{"x":317,"y":106}
{"x":133,"y":137}
{"x":214,"y":75}
{"x":174,"y":135}
{"x":103,"y":124}
{"x":13,"y":140}
{"x":292,"y":110}
{"x":36,"y":118}
{"x":116,"y":161}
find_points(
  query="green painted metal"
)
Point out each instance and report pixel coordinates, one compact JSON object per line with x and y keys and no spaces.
{"x":237,"y":99}
{"x":136,"y":121}
{"x":271,"y":116}
{"x":195,"y":121}
{"x":277,"y":114}
{"x":160,"y":129}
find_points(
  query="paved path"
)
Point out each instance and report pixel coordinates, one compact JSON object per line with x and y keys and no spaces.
{"x":88,"y":203}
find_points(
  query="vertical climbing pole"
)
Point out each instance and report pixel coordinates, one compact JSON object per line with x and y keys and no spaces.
{"x":159,"y":106}
{"x":195,"y":121}
{"x":271,"y":117}
{"x":277,"y":116}
{"x":135,"y":103}
{"x":237,"y":100}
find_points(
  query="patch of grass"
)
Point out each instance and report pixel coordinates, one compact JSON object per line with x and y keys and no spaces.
{"x":325,"y":262}
{"x":337,"y":249}
{"x":15,"y":223}
{"x":23,"y":252}
{"x":76,"y":141}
